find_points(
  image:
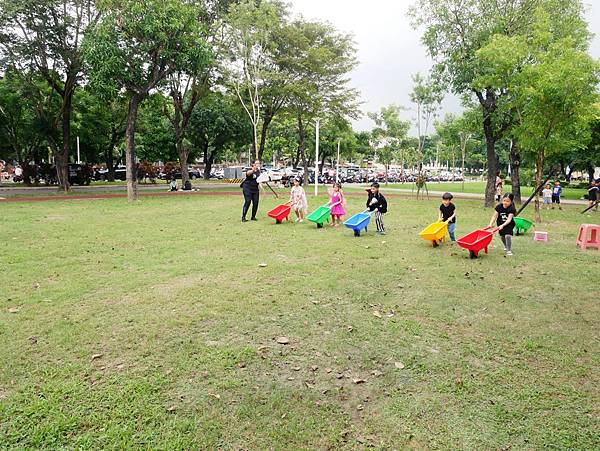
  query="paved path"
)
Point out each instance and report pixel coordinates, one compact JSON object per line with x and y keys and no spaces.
{"x":438,"y":194}
{"x":19,"y":193}
{"x":10,"y":190}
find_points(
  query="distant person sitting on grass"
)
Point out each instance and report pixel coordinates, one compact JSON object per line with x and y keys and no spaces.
{"x":448,"y":214}
{"x":173,"y":185}
{"x":377,"y":203}
{"x":504,"y":216}
{"x":547,"y":194}
{"x":593,"y":192}
{"x":556,"y":193}
{"x":187,"y":186}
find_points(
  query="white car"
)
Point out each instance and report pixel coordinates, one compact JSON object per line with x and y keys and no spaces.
{"x":275,"y":175}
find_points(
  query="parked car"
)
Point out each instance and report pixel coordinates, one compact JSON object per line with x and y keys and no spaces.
{"x":80,"y":174}
{"x":193,"y":174}
{"x":102,"y":174}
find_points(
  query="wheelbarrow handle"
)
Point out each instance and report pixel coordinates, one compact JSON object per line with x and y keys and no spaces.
{"x":492,"y":229}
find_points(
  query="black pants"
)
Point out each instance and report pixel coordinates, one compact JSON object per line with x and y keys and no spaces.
{"x":250,"y":196}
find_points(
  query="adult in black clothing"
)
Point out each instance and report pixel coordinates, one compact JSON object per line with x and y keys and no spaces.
{"x":251,"y":191}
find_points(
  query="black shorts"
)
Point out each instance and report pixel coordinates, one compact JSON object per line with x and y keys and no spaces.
{"x":556,"y":199}
{"x":508,"y":230}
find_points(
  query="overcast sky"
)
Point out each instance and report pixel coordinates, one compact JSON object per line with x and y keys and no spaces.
{"x":389,"y":50}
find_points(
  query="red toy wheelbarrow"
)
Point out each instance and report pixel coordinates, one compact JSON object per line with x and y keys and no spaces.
{"x":477,"y":241}
{"x":280,"y":213}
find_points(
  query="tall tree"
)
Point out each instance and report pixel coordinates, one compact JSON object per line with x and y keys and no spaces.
{"x":216,"y":124}
{"x":45,"y":36}
{"x":186,"y":88}
{"x":456,"y":29}
{"x":251,"y":71}
{"x":554,"y":95}
{"x":389,"y":134}
{"x":427,"y":97}
{"x":322,"y":60}
{"x":17,"y":117}
{"x":135,"y":47}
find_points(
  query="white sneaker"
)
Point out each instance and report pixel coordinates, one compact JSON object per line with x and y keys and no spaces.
{"x":509,"y":254}
{"x":297,"y":220}
{"x":300,"y":220}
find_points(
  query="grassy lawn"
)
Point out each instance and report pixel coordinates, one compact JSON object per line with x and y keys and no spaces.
{"x":153,"y":326}
{"x":479,"y":188}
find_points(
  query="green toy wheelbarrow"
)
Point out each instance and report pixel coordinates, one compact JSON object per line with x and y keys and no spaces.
{"x":522,"y":225}
{"x":320,"y":215}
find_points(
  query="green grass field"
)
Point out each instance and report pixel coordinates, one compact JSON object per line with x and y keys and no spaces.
{"x":154,"y":326}
{"x":479,"y":188}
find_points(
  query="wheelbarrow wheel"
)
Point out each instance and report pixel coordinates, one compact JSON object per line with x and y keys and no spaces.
{"x":319,"y":225}
{"x":357,"y":233}
{"x":472,"y":254}
{"x":278,"y":221}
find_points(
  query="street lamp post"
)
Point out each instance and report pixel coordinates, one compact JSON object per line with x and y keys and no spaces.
{"x":318,"y":124}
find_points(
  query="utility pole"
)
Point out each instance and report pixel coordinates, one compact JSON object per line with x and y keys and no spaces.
{"x":337,"y":168}
{"x":318,"y":124}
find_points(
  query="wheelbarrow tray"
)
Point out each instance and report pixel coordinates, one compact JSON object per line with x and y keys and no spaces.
{"x":358,"y":222}
{"x":476,"y":241}
{"x":522,"y":225}
{"x":435,"y":232}
{"x":320,"y":215}
{"x":280,"y":213}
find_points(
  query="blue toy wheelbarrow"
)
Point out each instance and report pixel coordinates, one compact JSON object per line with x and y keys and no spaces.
{"x":358,"y":222}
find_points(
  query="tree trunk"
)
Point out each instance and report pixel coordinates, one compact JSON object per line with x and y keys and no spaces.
{"x":110,"y":166}
{"x":302,"y":149}
{"x":297,"y":160}
{"x":515,"y":164}
{"x":208,"y":160}
{"x":132,"y":189}
{"x":62,"y":158}
{"x":569,"y":174}
{"x":591,"y":171}
{"x":110,"y":162}
{"x":539,"y":169}
{"x":183,"y":154}
{"x":263,"y":135}
{"x":492,"y":161}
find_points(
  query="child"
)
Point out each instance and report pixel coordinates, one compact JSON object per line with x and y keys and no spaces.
{"x":298,"y":200}
{"x":593,"y":194}
{"x":556,"y":192}
{"x":548,"y":193}
{"x":377,"y":203}
{"x":337,"y":202}
{"x":173,"y":185}
{"x":448,"y":214}
{"x":504,"y":217}
{"x":498,"y":186}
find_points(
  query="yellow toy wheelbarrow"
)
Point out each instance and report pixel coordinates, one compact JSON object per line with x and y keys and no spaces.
{"x":436,"y":232}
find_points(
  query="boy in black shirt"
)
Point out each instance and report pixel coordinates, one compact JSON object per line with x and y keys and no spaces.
{"x":377,"y":203}
{"x":504,"y":218}
{"x":448,"y":213}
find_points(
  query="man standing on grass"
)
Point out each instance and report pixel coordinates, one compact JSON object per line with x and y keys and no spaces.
{"x":251,"y":191}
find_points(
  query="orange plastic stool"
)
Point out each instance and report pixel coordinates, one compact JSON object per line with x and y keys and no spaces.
{"x":589,"y":236}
